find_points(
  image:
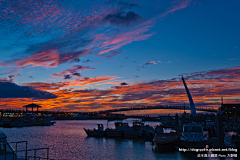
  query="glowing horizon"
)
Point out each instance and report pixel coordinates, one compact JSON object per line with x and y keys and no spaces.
{"x":98,"y":55}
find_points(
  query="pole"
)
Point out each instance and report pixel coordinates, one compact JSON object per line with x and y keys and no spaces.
{"x":220,"y":128}
{"x":47,"y":153}
{"x":205,"y":121}
{"x":5,"y":151}
{"x":34,"y":155}
{"x":176,"y":122}
{"x":26,"y":152}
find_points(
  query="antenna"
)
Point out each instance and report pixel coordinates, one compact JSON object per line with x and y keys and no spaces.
{"x":184,"y":107}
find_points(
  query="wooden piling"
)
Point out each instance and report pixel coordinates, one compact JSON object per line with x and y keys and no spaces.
{"x":205,"y":121}
{"x":176,"y":122}
{"x":220,"y":128}
{"x":183,"y":118}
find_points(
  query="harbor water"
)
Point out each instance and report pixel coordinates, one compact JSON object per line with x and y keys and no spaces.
{"x":68,"y":141}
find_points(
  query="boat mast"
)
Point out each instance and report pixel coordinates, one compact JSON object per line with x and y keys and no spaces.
{"x":192,"y":106}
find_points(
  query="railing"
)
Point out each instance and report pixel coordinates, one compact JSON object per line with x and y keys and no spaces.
{"x":156,"y":107}
{"x":35,"y":155}
{"x":26,"y":156}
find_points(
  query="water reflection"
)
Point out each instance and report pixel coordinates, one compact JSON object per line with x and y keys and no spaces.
{"x":68,"y":141}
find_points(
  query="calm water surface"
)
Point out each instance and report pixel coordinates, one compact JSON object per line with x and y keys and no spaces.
{"x":68,"y":141}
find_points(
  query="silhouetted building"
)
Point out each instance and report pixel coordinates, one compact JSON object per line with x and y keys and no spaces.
{"x":32,"y":106}
{"x":231,"y":109}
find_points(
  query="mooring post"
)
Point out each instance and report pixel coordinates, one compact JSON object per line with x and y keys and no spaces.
{"x":176,"y":122}
{"x":183,"y":118}
{"x":205,"y":121}
{"x":2,"y":115}
{"x":220,"y":128}
{"x":200,"y":118}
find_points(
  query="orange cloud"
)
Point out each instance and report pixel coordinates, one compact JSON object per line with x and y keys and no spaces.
{"x":206,"y":92}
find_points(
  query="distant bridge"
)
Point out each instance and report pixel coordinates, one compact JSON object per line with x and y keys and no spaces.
{"x":156,"y":107}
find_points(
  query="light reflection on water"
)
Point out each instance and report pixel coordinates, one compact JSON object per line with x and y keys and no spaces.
{"x":68,"y":141}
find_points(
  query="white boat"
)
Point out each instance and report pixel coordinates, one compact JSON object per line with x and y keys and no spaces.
{"x":118,"y":130}
{"x":193,"y":136}
{"x":165,"y":138}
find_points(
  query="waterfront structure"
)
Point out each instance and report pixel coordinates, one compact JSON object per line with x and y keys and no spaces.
{"x":32,"y":105}
{"x":231,"y":109}
{"x":8,"y":153}
{"x":192,"y":106}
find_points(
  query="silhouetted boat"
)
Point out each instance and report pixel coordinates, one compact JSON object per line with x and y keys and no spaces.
{"x":96,"y":132}
{"x":118,"y":131}
{"x":135,"y":131}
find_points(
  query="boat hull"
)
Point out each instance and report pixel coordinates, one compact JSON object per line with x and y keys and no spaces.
{"x":94,"y":133}
{"x":165,"y":140}
{"x":114,"y":133}
{"x":131,"y":134}
{"x":193,"y":144}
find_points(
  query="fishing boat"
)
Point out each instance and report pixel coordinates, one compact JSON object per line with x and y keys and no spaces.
{"x":135,"y":131}
{"x":149,"y":133}
{"x":118,"y":131}
{"x":165,"y":138}
{"x":96,"y":132}
{"x":193,"y":136}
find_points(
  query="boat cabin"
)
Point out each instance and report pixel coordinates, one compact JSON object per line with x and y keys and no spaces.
{"x":121,"y":125}
{"x":138,"y":125}
{"x":192,"y":128}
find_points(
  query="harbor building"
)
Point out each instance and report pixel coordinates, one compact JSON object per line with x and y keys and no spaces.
{"x":230,"y":109}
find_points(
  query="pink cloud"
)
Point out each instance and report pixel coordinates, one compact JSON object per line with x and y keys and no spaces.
{"x":150,"y":62}
{"x":121,"y":39}
{"x":47,"y":59}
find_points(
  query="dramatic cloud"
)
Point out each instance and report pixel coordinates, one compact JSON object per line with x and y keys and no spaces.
{"x":123,"y":18}
{"x":12,"y":90}
{"x":66,"y":74}
{"x":50,"y":33}
{"x":123,"y":84}
{"x":76,"y":60}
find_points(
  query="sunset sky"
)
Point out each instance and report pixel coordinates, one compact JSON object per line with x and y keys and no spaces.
{"x":93,"y":55}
